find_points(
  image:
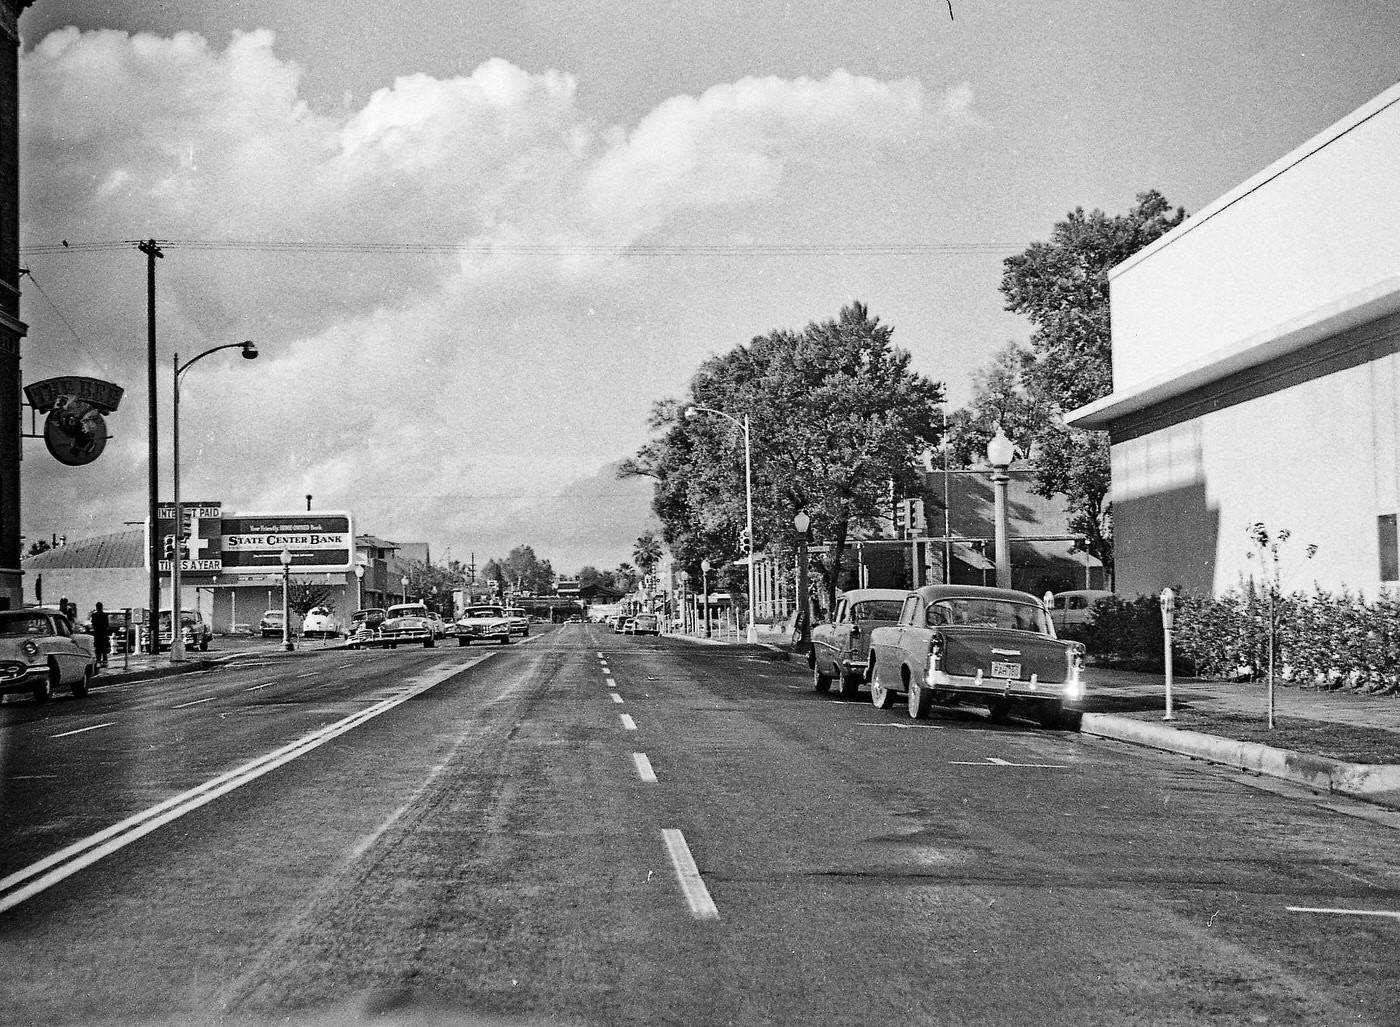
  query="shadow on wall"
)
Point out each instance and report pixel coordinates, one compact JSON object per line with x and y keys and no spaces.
{"x":1166,"y":538}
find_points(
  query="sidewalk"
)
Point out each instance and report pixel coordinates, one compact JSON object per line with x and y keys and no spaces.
{"x":1127,"y":706}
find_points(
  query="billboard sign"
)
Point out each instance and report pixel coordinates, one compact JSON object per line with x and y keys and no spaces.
{"x":320,"y":541}
{"x":199,"y":538}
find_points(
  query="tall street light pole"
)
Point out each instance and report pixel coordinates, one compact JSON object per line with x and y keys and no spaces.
{"x":705,"y":592}
{"x":803,"y":524}
{"x":1000,"y":452}
{"x":693,"y":411}
{"x":177,"y":554}
{"x":152,"y":252}
{"x":286,"y":558}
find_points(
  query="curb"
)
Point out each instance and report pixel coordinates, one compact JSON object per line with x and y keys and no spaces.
{"x":1372,"y":782}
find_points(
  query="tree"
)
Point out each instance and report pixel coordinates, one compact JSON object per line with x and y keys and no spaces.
{"x":1062,"y":287}
{"x":646,"y":552}
{"x":1000,"y":399}
{"x":305,"y":596}
{"x":835,"y":415}
{"x":521,"y":570}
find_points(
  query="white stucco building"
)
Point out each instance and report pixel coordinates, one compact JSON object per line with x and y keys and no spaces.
{"x":1256,"y":375}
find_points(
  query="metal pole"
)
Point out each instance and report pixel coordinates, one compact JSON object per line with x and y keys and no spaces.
{"x":1003,"y":545}
{"x":177,"y":553}
{"x":152,"y":252}
{"x":286,"y":608}
{"x":947,"y":520}
{"x":748,"y":495}
{"x":804,"y":604}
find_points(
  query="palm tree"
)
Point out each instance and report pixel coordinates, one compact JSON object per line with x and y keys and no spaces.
{"x":647,"y":552}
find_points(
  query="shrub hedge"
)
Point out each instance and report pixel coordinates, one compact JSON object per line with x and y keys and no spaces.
{"x":1324,"y":640}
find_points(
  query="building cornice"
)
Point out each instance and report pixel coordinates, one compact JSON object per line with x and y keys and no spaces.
{"x":1351,"y":311}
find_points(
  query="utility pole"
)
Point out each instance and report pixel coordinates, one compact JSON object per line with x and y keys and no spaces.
{"x":152,"y":252}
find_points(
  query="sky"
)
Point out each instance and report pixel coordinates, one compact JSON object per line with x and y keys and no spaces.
{"x":474,"y":242}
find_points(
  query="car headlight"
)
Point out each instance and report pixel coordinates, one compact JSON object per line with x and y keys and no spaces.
{"x":30,"y":648}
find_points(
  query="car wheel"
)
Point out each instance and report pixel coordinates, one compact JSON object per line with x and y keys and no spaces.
{"x":1050,"y":714}
{"x":44,"y":689}
{"x":463,"y":642}
{"x":505,"y":640}
{"x":81,"y":686}
{"x":527,"y":632}
{"x":204,"y":646}
{"x":998,"y":709}
{"x":920,"y":699}
{"x":393,"y":645}
{"x":850,"y":685}
{"x":820,"y":682}
{"x":430,"y":643}
{"x":881,"y":698}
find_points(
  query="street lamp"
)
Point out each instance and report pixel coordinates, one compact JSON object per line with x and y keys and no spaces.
{"x":286,"y":558}
{"x":705,"y":592}
{"x":1000,"y":452}
{"x":693,"y":411}
{"x":404,"y":582}
{"x":359,"y":586}
{"x":803,"y":524}
{"x":177,"y":555}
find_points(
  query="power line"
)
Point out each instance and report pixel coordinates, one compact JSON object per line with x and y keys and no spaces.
{"x":874,"y":249}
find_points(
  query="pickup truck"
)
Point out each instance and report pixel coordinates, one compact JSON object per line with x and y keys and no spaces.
{"x":960,"y":643}
{"x":841,"y":645}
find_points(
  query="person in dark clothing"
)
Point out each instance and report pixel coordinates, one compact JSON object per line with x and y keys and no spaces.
{"x":101,"y":635}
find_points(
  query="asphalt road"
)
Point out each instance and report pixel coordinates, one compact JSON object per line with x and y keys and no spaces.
{"x":587,"y":828}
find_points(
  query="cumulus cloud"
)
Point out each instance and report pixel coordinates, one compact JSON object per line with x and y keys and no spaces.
{"x":455,"y":359}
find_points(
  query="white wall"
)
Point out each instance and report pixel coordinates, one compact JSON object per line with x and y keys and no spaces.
{"x":1321,"y":223}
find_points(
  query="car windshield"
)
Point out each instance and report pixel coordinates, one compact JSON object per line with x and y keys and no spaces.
{"x":485,"y":611}
{"x":24,"y":624}
{"x":367,"y":616}
{"x":989,"y":613}
{"x":877,"y":609}
{"x":410,"y":610}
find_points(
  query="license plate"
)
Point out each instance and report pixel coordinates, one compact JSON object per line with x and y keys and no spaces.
{"x":1005,"y":670}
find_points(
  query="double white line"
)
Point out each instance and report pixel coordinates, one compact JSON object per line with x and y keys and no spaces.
{"x":25,"y":884}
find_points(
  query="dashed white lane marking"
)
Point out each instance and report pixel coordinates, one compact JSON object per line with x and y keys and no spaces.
{"x":37,"y":877}
{"x":256,"y":687}
{"x":702,"y":907}
{"x":308,"y":674}
{"x":992,"y":761}
{"x":81,"y":730}
{"x":617,"y":698}
{"x":644,"y":770}
{"x":1391,"y":914}
{"x":194,"y":702}
{"x":628,"y":723}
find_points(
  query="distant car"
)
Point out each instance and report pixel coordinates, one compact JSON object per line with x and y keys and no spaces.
{"x":438,"y":624}
{"x":271,"y":625}
{"x":483,"y":622}
{"x":841,"y":646}
{"x":624,"y":625}
{"x":364,"y":628}
{"x":1074,"y":607}
{"x":122,"y":634}
{"x":195,"y":631}
{"x":645,"y":624}
{"x":519,"y":622}
{"x":320,"y":622}
{"x":407,"y":623}
{"x":960,"y":643}
{"x":40,"y":654}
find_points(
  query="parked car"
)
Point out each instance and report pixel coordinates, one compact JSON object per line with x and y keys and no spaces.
{"x":1074,"y":607}
{"x":195,"y":631}
{"x":519,"y":621}
{"x":623,"y":625}
{"x":482,"y":622}
{"x":644,"y":624}
{"x":364,"y":628}
{"x":122,"y":634}
{"x":439,"y":625}
{"x":959,"y":643}
{"x":841,"y":645}
{"x":407,"y":623}
{"x":40,"y":654}
{"x":271,"y":625}
{"x":320,"y":622}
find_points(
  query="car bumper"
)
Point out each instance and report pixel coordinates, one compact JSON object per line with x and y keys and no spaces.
{"x":15,"y":677}
{"x":1070,"y":690}
{"x":412,"y":635}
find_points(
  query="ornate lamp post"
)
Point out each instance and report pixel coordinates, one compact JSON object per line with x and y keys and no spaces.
{"x":286,"y":559}
{"x":404,"y":582}
{"x":693,"y":411}
{"x":1000,"y":452}
{"x":705,"y":592}
{"x":177,"y":555}
{"x":803,"y":524}
{"x":359,"y":586}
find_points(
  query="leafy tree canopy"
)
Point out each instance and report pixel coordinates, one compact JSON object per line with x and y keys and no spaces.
{"x":835,"y":414}
{"x":521,"y":570}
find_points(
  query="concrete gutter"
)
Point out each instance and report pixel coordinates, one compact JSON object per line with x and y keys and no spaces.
{"x":1378,"y":783}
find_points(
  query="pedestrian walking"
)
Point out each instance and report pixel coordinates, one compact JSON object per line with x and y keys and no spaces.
{"x":101,"y":635}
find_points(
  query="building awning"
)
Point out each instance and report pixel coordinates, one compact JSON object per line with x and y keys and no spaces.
{"x":971,"y":557}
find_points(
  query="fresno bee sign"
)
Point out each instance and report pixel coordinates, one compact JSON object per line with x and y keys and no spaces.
{"x":319,"y":541}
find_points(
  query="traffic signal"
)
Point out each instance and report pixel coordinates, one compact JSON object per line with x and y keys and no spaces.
{"x":169,"y":547}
